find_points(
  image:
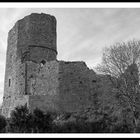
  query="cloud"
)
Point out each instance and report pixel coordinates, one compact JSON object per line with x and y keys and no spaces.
{"x":82,"y":33}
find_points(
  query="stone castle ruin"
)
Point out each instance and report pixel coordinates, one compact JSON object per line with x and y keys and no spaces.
{"x":35,"y":77}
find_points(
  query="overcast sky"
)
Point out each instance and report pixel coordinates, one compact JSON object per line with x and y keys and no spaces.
{"x":82,"y":33}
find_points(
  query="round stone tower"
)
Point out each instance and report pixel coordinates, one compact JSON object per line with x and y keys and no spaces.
{"x":37,"y":38}
{"x":32,"y":39}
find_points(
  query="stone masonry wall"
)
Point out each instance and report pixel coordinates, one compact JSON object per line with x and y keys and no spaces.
{"x":44,"y":102}
{"x":32,"y":39}
{"x":16,"y":87}
{"x":60,"y":86}
{"x":76,"y":86}
{"x":42,"y":85}
{"x":37,"y":35}
{"x":42,"y":79}
{"x":34,"y":77}
{"x":10,"y":74}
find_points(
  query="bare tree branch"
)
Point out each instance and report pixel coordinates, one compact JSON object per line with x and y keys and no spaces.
{"x":121,"y":62}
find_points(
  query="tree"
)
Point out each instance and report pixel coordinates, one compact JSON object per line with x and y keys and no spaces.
{"x":121,"y":63}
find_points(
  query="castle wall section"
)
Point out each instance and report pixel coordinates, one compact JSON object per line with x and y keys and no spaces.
{"x":34,"y":77}
{"x":46,"y":103}
{"x":42,"y":79}
{"x":42,"y":85}
{"x":76,"y":86}
{"x":15,"y":87}
{"x":60,"y":86}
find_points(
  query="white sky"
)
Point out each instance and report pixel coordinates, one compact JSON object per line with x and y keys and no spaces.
{"x":82,"y":33}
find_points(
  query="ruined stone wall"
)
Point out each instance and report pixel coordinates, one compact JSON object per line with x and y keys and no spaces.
{"x":44,"y":102}
{"x":42,"y":79}
{"x":16,"y":87}
{"x":34,"y":77}
{"x":43,"y":85}
{"x":76,"y":86}
{"x":106,"y":96}
{"x":60,"y":86}
{"x":32,"y":39}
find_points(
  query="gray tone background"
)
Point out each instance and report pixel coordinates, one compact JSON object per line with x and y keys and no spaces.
{"x":82,"y":33}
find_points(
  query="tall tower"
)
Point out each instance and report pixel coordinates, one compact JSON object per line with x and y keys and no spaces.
{"x":32,"y":39}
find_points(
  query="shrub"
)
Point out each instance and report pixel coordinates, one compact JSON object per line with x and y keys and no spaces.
{"x":23,"y":121}
{"x":42,"y":122}
{"x":3,"y":124}
{"x":20,"y":120}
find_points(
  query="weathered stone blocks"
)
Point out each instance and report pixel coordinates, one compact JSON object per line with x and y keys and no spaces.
{"x":35,"y":77}
{"x":32,"y":39}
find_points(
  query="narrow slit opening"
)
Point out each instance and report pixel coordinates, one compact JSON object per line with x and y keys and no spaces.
{"x":9,"y":82}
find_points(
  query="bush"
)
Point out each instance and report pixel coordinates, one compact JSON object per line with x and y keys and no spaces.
{"x":122,"y":127}
{"x":70,"y":127}
{"x":104,"y":125}
{"x":3,"y":124}
{"x":42,"y":122}
{"x":22,"y":121}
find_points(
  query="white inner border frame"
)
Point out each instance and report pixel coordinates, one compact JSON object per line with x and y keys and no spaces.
{"x":70,"y":5}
